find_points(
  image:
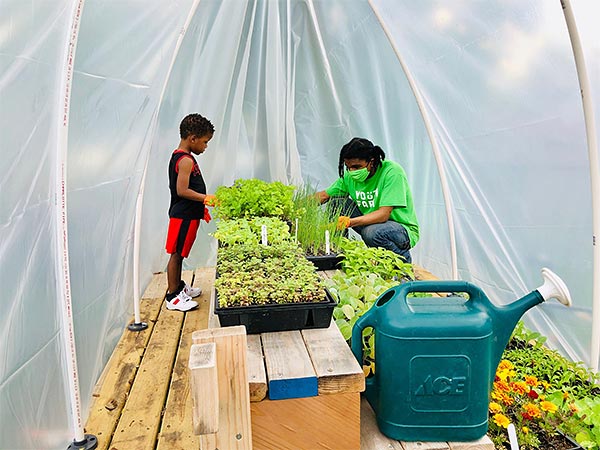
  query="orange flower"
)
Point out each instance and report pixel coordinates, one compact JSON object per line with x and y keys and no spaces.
{"x":531,"y":380}
{"x":506,"y":399}
{"x":501,"y":386}
{"x":548,"y":406}
{"x":501,"y":420}
{"x":573,"y":408}
{"x":495,"y":407}
{"x":565,"y":395}
{"x":519,"y":387}
{"x":532,"y":410}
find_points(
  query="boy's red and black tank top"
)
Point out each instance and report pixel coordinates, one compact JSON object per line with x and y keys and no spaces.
{"x":182,"y":208}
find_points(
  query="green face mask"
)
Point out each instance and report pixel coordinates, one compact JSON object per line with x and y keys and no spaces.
{"x":359,"y":175}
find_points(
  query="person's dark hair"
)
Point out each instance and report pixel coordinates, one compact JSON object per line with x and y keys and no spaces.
{"x":195,"y":124}
{"x":360,"y":148}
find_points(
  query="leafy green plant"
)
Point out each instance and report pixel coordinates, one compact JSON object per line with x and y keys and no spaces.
{"x":253,"y":197}
{"x":239,"y":231}
{"x":312,"y":221}
{"x":360,"y":259}
{"x":254,"y":274}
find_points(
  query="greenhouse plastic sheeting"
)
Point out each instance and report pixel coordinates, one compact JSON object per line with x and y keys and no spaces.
{"x":286,"y":84}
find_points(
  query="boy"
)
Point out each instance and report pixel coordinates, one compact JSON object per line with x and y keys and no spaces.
{"x":188,"y":200}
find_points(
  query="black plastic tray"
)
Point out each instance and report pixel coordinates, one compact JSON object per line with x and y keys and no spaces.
{"x":326,"y":262}
{"x":278,"y":317}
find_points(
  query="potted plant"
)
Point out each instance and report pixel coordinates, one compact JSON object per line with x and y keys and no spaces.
{"x":315,"y":229}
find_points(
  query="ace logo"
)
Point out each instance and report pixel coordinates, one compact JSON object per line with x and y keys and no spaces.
{"x":442,"y":386}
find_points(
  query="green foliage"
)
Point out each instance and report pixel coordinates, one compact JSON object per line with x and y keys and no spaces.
{"x":565,"y":394}
{"x":255,"y":198}
{"x":367,"y":272}
{"x":254,"y":274}
{"x":239,"y":231}
{"x":312,"y":220}
{"x":360,"y":259}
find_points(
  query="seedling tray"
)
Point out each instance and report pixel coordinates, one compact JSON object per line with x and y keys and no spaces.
{"x":279,"y":316}
{"x":326,"y":262}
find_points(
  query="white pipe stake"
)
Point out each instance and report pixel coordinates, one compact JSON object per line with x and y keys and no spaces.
{"x":327,"y":249}
{"x":296,"y":231}
{"x":512,"y":437}
{"x":263,"y":235}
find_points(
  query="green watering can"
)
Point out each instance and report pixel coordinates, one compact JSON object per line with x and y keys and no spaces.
{"x":436,"y":357}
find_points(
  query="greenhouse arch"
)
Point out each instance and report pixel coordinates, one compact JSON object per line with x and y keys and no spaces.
{"x":489,"y":106}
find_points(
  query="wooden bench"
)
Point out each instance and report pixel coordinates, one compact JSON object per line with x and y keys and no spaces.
{"x":303,"y":389}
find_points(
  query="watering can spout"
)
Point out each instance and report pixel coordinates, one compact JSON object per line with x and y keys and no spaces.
{"x":553,"y":287}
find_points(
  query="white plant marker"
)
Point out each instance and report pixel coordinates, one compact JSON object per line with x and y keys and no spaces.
{"x":327,"y":249}
{"x":296,"y":231}
{"x":263,"y":235}
{"x":512,"y":437}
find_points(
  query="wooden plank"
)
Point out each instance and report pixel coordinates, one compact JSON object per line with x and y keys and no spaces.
{"x":336,"y":367}
{"x":423,"y":274}
{"x":257,"y":376}
{"x":176,"y":431}
{"x":370,"y":436}
{"x":121,"y":369}
{"x":425,"y":445}
{"x":325,"y":422}
{"x":140,"y":418}
{"x":204,"y":385}
{"x":485,"y":443}
{"x":213,"y":319}
{"x":235,"y":431}
{"x":290,"y":372}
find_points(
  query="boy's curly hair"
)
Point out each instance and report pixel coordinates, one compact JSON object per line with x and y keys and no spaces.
{"x":195,"y":124}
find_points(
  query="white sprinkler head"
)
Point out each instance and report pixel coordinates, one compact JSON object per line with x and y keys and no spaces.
{"x":554,"y":287}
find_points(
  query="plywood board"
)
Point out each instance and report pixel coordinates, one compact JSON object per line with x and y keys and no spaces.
{"x":325,"y":422}
{"x":370,"y":436}
{"x":485,"y":443}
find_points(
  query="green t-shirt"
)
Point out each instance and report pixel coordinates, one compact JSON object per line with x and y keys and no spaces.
{"x":388,"y":187}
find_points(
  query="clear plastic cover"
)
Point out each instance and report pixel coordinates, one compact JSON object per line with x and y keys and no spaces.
{"x":286,"y":84}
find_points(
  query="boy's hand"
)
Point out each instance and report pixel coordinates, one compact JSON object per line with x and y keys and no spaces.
{"x":206,"y":217}
{"x":210,"y":200}
{"x":343,"y":222}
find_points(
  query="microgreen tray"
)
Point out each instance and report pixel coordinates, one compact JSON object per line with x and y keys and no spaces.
{"x":279,"y":316}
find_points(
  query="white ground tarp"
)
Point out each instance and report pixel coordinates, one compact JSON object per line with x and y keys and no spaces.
{"x":286,"y":84}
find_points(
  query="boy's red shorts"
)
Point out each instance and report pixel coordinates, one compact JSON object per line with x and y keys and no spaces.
{"x":181,"y":235}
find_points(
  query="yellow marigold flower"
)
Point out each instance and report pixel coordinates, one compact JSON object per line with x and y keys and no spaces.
{"x":501,"y":386}
{"x":505,"y":364}
{"x":546,"y":385}
{"x":496,"y":395}
{"x":519,"y":387}
{"x":565,"y":395}
{"x":501,"y":420}
{"x":532,"y":410}
{"x":495,"y":407}
{"x":548,"y":406}
{"x":506,"y":399}
{"x":525,"y":430}
{"x":531,"y":380}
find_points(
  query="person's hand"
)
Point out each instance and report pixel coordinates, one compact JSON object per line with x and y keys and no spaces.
{"x":206,"y":217}
{"x":343,"y":222}
{"x":210,"y":200}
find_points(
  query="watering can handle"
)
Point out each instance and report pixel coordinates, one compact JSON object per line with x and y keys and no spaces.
{"x":366,"y":320}
{"x":441,"y":286}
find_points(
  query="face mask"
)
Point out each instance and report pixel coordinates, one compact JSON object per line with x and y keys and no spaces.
{"x":359,"y":175}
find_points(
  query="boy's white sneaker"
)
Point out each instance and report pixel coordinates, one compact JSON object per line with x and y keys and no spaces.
{"x":182,"y":302}
{"x":192,"y":291}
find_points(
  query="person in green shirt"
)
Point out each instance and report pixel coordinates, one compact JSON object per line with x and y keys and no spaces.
{"x":379,"y":203}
